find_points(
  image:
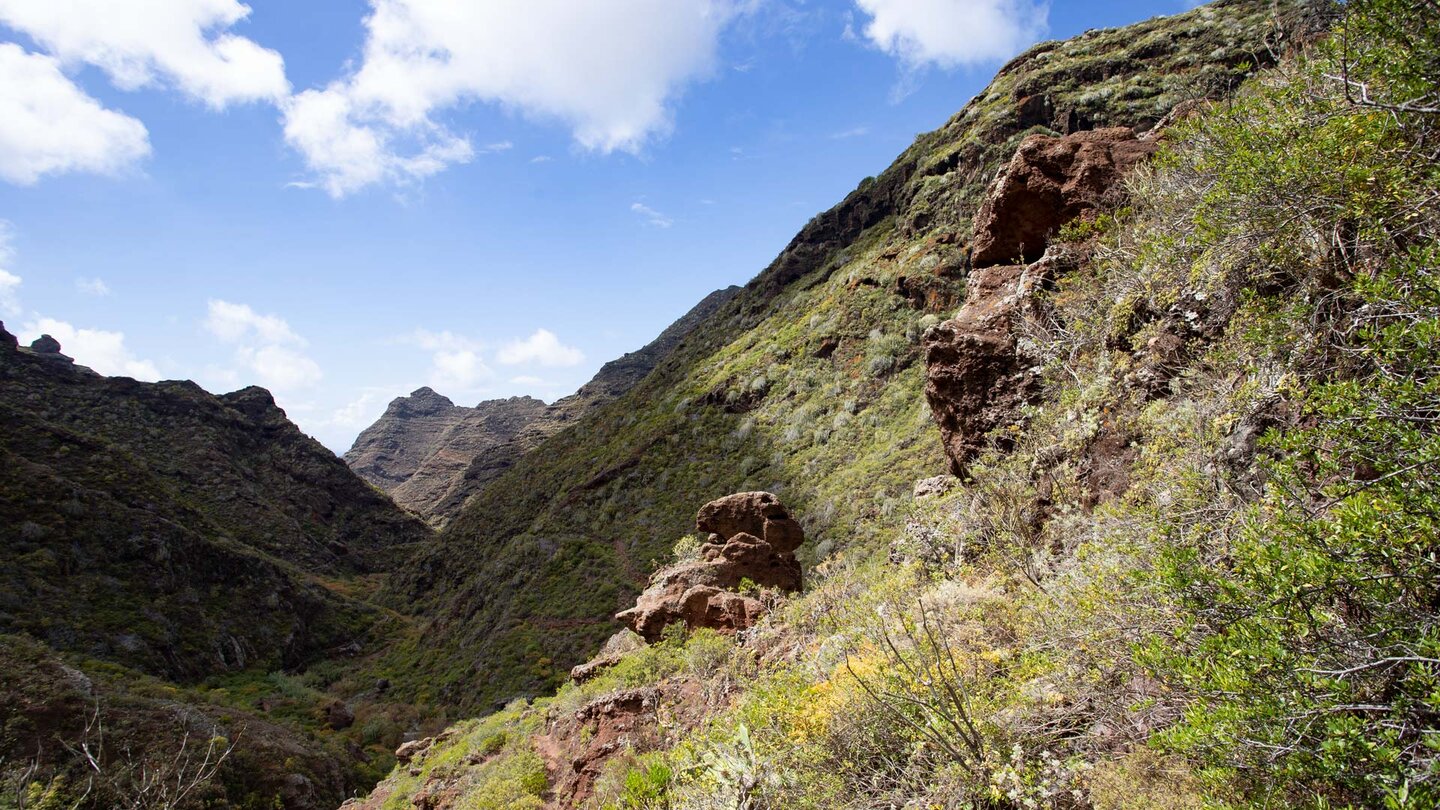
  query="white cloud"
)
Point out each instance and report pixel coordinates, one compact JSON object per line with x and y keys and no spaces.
{"x":234,"y":323}
{"x":101,"y":350}
{"x":526,"y":379}
{"x":854,"y":132}
{"x":359,"y":413}
{"x":9,"y":293}
{"x":185,"y":44}
{"x":609,"y":71}
{"x":266,"y":348}
{"x":438,"y":341}
{"x":457,"y":364}
{"x":950,"y":33}
{"x":92,"y":286}
{"x":48,"y":125}
{"x":458,"y":370}
{"x":9,"y":282}
{"x":543,"y":348}
{"x":279,"y":367}
{"x":652,"y":216}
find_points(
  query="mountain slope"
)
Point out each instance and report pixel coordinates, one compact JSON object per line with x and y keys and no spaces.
{"x":182,"y":537}
{"x":1189,"y":557}
{"x":805,"y":384}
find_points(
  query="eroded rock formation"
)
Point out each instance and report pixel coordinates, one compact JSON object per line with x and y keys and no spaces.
{"x":975,"y":379}
{"x":976,"y":375}
{"x":1047,"y":183}
{"x":750,"y":537}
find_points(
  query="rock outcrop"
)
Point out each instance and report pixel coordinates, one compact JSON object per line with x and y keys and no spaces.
{"x":975,"y":377}
{"x":1049,"y":182}
{"x":577,"y":746}
{"x":751,"y":538}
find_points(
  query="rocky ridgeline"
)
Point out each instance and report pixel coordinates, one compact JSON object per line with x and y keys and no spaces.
{"x":751,"y":542}
{"x":423,"y":442}
{"x":157,"y":528}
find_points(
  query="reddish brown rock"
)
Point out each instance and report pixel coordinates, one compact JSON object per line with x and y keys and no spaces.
{"x":741,"y":512}
{"x":414,"y":748}
{"x":752,"y":538}
{"x":577,"y":746}
{"x":1047,"y":183}
{"x":975,"y":379}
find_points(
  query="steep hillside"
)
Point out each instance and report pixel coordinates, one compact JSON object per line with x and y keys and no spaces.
{"x":1189,"y":555}
{"x":805,"y":384}
{"x":157,"y":529}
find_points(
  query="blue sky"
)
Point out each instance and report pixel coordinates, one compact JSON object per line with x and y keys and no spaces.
{"x":343,"y":200}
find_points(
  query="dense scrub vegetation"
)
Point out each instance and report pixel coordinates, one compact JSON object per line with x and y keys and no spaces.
{"x":1203,"y":572}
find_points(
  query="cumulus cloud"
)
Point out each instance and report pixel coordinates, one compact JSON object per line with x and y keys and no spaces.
{"x":185,"y":44}
{"x":608,"y":71}
{"x":456,"y":361}
{"x":99,"y":349}
{"x":951,"y":33}
{"x":92,"y":286}
{"x":543,"y":348}
{"x":233,"y":323}
{"x":279,"y":367}
{"x":266,"y":348}
{"x":48,"y":125}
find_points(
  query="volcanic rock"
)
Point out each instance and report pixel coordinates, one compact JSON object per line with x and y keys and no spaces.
{"x":48,"y":348}
{"x":1047,"y":183}
{"x":752,"y":538}
{"x":976,"y":379}
{"x":423,"y":441}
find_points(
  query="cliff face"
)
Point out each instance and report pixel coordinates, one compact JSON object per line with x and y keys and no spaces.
{"x":804,"y":384}
{"x":390,"y":451}
{"x":423,"y":442}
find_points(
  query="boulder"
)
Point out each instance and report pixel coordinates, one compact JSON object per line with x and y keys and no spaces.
{"x":1047,"y":183}
{"x":614,"y":650}
{"x":414,"y":748}
{"x":48,"y":348}
{"x":45,"y":345}
{"x":339,"y":716}
{"x":751,"y":538}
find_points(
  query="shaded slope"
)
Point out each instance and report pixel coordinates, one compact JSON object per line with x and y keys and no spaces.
{"x":170,"y":530}
{"x":805,"y":384}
